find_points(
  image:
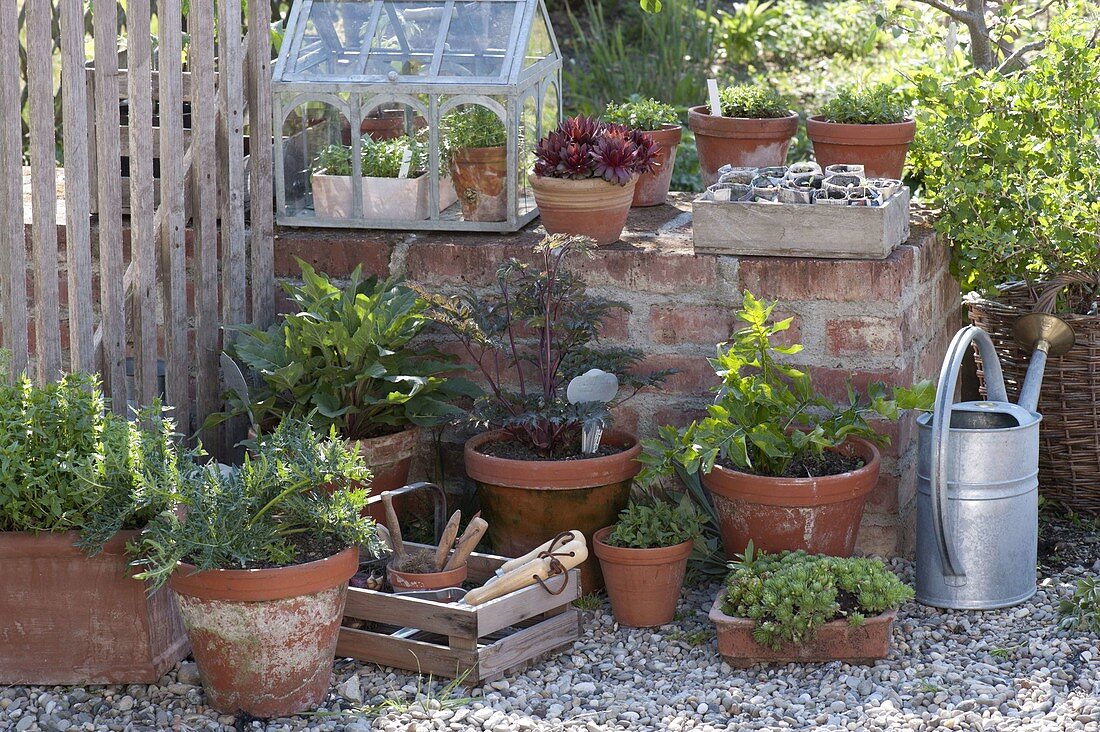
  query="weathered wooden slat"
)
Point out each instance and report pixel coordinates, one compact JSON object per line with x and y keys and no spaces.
{"x":380,"y":607}
{"x":261,"y":213}
{"x":231,"y":163}
{"x":173,"y":242}
{"x":123,"y":80}
{"x":427,"y":658}
{"x":526,"y":603}
{"x":528,"y":645}
{"x":13,"y":247}
{"x":180,"y":143}
{"x":143,"y":247}
{"x":47,"y":329}
{"x":77,"y":203}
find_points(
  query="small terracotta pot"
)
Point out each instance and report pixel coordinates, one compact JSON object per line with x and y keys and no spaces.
{"x":264,"y":639}
{"x":479,"y":175}
{"x":643,"y":584}
{"x":880,"y":149}
{"x":529,"y":502}
{"x":389,"y":126}
{"x":405,"y":581}
{"x":739,"y":141}
{"x":591,"y":207}
{"x":836,"y":640}
{"x":818,"y":515}
{"x":652,"y":187}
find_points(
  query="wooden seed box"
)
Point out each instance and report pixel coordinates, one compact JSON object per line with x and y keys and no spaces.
{"x":800,"y":230}
{"x":487,"y":642}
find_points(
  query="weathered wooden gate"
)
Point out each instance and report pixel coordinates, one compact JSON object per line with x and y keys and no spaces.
{"x":155,"y":275}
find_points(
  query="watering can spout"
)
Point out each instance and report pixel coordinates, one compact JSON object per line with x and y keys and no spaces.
{"x":1045,"y":335}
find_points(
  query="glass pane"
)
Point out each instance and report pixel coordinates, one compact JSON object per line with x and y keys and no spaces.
{"x":538,"y":43}
{"x":333,"y":38}
{"x":308,"y":131}
{"x":477,"y":39}
{"x":406,"y":38}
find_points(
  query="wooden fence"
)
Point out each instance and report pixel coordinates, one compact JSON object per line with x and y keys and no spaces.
{"x":196,"y":205}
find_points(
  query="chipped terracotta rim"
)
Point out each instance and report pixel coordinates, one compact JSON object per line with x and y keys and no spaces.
{"x":553,"y":474}
{"x":276,"y":583}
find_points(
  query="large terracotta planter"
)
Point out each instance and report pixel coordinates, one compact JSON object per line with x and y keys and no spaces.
{"x":529,"y":502}
{"x":479,"y":175}
{"x":652,"y":187}
{"x":818,"y":515}
{"x":880,"y":149}
{"x":389,"y":458}
{"x":643,"y":584}
{"x":69,"y":618}
{"x":591,"y":207}
{"x":739,"y":141}
{"x":264,"y":639}
{"x":836,"y":640}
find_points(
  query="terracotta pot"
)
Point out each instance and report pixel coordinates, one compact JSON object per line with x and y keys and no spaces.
{"x":643,"y":584}
{"x":652,"y":187}
{"x":479,"y":175}
{"x":591,"y":207}
{"x":818,"y":515}
{"x":69,"y":618}
{"x":739,"y":141}
{"x":389,"y":458}
{"x":529,"y":502}
{"x":880,"y":149}
{"x":405,"y":581}
{"x":836,"y":640}
{"x":389,"y":126}
{"x":264,"y":639}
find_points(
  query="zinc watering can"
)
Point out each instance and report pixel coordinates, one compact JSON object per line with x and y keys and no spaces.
{"x":977,"y":477}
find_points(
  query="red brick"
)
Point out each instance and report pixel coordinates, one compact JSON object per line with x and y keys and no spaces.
{"x":902,"y":433}
{"x":335,"y":255}
{"x":836,"y":280}
{"x":703,"y":324}
{"x":832,"y":382}
{"x":451,"y":263}
{"x":884,"y":497}
{"x":932,"y":253}
{"x":879,"y":534}
{"x":695,"y":375}
{"x":616,"y":326}
{"x":652,"y":271}
{"x":858,"y":336}
{"x":626,"y":418}
{"x":679,"y":415}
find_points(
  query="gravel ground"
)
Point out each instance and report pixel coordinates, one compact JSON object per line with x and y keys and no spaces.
{"x":998,"y":670}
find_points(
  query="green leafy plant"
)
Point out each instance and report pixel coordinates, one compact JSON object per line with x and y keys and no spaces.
{"x":875,"y":105}
{"x":472,"y":126}
{"x":642,"y":114}
{"x":299,"y":498}
{"x":792,"y":594}
{"x":348,"y":359}
{"x":755,"y":101}
{"x":651,"y":526}
{"x":538,"y":330}
{"x":1082,"y":610}
{"x":379,"y":158}
{"x":766,"y":416}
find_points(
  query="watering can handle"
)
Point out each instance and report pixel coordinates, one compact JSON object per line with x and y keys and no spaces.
{"x":941,"y":429}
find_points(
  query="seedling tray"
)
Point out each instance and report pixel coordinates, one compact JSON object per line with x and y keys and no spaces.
{"x":800,"y":230}
{"x":478,"y":644}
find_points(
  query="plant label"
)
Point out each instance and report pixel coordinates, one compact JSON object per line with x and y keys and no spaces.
{"x":715,"y":102}
{"x":593,"y":385}
{"x":406,"y":163}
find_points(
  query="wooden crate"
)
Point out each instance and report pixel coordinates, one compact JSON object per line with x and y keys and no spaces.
{"x":799,"y":230}
{"x":487,"y":642}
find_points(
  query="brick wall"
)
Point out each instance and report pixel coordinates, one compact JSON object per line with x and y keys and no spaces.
{"x":888,"y":320}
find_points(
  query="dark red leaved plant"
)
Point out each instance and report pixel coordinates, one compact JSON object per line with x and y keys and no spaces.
{"x":584,"y":147}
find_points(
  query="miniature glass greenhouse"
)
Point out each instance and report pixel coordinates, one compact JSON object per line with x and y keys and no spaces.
{"x":448,"y":98}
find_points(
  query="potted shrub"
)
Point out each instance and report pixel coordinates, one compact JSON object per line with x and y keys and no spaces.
{"x":259,"y":557}
{"x":72,"y":484}
{"x":795,"y":607}
{"x":584,"y":177}
{"x":661,"y":123}
{"x":643,"y":558}
{"x":528,"y":339}
{"x":349,"y":359}
{"x":385,"y":193}
{"x":869,"y":126}
{"x":785,"y":467}
{"x":475,"y":149}
{"x":754,"y":130}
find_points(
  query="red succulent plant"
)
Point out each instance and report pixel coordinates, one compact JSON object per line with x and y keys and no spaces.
{"x":584,"y":147}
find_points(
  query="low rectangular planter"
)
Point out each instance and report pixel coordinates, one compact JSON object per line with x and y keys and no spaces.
{"x":834,"y":641}
{"x":67,"y":618}
{"x":399,"y":199}
{"x":800,"y":230}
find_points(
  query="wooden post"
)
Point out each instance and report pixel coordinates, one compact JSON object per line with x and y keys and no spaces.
{"x":231,"y":165}
{"x":261,"y":216}
{"x":13,"y":247}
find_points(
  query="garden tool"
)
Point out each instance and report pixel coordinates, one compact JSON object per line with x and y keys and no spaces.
{"x":550,"y":564}
{"x":978,"y":487}
{"x":394,"y":527}
{"x":466,"y":544}
{"x":446,"y":542}
{"x":534,"y":553}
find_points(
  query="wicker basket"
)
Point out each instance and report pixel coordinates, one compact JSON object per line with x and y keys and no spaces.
{"x":1069,"y":449}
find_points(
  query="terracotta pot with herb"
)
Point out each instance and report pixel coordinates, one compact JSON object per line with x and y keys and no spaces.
{"x":644,"y":557}
{"x":870,"y":127}
{"x":528,"y":339}
{"x":785,"y":467}
{"x":585,"y":174}
{"x":475,"y":149}
{"x":661,"y":123}
{"x":754,"y":130}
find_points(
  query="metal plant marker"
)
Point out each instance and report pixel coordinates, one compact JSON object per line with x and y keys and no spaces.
{"x":594,"y":385}
{"x":978,"y":486}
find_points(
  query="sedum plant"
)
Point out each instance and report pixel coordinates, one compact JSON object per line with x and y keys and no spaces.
{"x":349,"y":360}
{"x":792,"y":594}
{"x":766,"y":415}
{"x":755,"y":101}
{"x":584,"y":147}
{"x":380,"y":158}
{"x":656,"y":525}
{"x":471,"y":127}
{"x":641,"y":114}
{"x":537,"y":331}
{"x":874,"y":105}
{"x":298,"y":498}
